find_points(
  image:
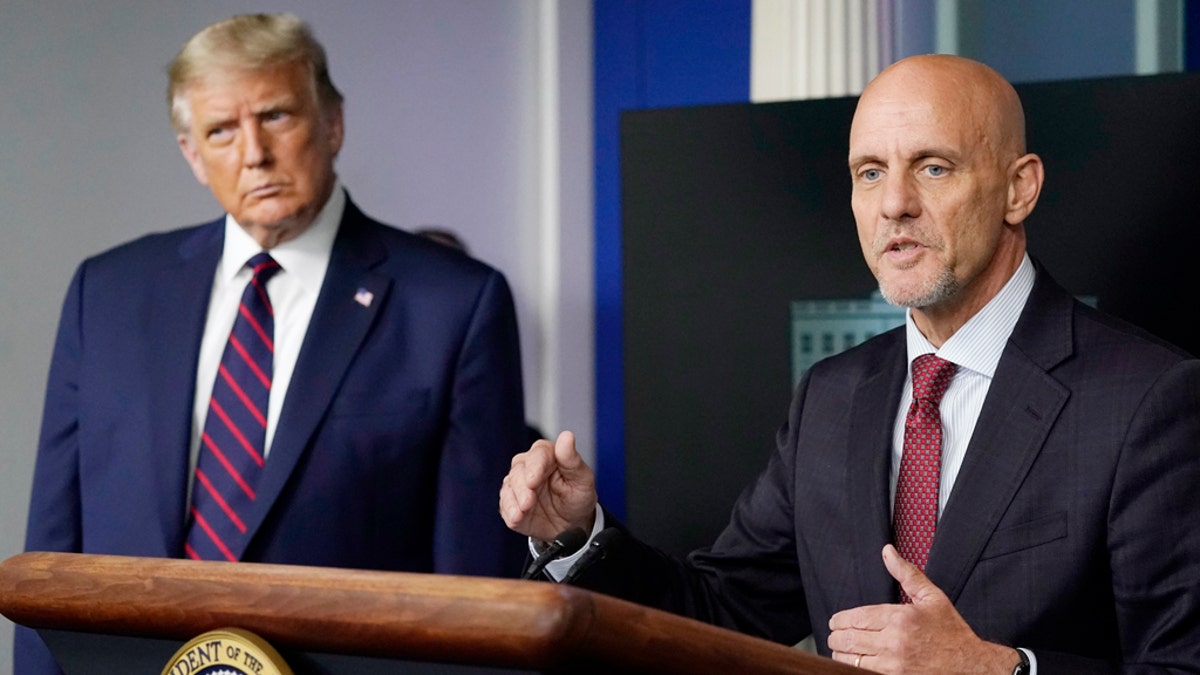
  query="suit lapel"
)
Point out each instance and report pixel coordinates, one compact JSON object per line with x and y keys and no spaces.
{"x":870,"y":454}
{"x":178,"y":311}
{"x":340,"y":322}
{"x":1022,"y":405}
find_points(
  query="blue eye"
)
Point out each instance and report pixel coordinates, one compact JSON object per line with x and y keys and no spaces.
{"x":935,"y":170}
{"x":872,"y":175}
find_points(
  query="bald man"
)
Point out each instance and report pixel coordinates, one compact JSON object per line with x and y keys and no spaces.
{"x":1054,"y":526}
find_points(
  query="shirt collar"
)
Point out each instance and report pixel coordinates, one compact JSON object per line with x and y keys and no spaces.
{"x":304,"y":258}
{"x":978,"y":344}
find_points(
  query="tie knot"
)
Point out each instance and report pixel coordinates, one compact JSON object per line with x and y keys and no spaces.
{"x":263,"y":266}
{"x":931,"y":376}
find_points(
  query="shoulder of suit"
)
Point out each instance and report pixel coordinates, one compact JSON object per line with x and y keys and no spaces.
{"x":413,"y":252}
{"x":163,"y":246}
{"x":1098,"y":329}
{"x":862,"y":360}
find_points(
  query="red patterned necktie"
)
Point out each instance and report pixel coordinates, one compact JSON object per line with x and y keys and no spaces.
{"x":235,"y":429}
{"x":921,"y":464}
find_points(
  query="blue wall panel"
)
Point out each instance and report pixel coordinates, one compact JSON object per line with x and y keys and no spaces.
{"x":649,"y":54}
{"x":1191,"y":35}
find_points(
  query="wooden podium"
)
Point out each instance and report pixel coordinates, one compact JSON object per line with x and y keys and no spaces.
{"x":102,"y":614}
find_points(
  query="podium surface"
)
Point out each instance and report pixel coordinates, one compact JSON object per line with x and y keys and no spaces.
{"x":318,"y":618}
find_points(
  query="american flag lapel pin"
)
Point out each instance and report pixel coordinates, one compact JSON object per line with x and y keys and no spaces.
{"x":364,"y":297}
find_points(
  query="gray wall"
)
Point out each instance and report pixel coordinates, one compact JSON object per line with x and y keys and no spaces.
{"x":442,"y":122}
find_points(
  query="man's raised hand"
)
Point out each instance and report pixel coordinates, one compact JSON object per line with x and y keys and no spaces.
{"x":548,"y":489}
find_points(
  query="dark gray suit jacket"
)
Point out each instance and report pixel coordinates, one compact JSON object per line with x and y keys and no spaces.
{"x":1073,"y":528}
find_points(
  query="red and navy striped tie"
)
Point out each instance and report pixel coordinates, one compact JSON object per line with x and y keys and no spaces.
{"x":231,"y":447}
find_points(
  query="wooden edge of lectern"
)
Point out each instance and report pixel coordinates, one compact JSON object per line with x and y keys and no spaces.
{"x":428,"y":617}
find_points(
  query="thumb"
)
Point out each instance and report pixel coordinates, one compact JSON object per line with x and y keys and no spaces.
{"x":914,"y":582}
{"x":565,"y":455}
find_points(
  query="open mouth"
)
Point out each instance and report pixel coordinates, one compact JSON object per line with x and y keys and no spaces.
{"x":901,"y":245}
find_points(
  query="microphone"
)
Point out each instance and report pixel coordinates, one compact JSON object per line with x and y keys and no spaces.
{"x":594,"y":553}
{"x":565,"y":543}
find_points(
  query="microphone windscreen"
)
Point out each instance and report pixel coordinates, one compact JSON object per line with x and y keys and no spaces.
{"x":569,"y":541}
{"x":597,"y":550}
{"x":605,"y":538}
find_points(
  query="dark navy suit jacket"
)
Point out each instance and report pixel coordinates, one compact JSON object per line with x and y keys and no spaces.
{"x":1073,"y":528}
{"x":397,"y":428}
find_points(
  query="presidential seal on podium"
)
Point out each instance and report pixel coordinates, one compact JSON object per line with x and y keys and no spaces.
{"x":227,"y":651}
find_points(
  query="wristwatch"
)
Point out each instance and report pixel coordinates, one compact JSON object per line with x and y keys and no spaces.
{"x":1021,"y":668}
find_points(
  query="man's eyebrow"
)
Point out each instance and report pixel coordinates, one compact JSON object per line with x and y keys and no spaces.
{"x":215,"y":121}
{"x":941,"y":152}
{"x":915,"y":156}
{"x":279,"y":103}
{"x":859,"y":160}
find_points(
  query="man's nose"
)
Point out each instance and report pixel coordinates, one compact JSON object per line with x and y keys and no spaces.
{"x":900,"y":198}
{"x":256,"y":146}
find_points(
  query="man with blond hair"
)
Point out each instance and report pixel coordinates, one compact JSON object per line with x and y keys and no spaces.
{"x":293,"y":382}
{"x":1006,"y":484}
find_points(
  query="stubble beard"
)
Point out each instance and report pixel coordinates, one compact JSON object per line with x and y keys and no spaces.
{"x":931,"y":291}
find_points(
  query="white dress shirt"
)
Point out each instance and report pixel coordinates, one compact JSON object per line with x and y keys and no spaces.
{"x":976,"y":348}
{"x":293,"y":292}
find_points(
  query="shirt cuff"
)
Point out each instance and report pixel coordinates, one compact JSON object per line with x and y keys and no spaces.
{"x":557,"y":569}
{"x":1032,"y":660}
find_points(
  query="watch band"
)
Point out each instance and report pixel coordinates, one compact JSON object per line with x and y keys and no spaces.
{"x":1022,"y":668}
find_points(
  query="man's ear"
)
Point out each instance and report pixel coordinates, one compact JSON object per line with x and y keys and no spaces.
{"x":1024,"y":185}
{"x":192,"y":155}
{"x":335,"y":128}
